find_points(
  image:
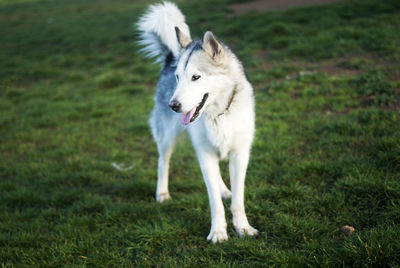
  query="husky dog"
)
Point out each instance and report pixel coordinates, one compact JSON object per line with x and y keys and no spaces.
{"x":202,"y":90}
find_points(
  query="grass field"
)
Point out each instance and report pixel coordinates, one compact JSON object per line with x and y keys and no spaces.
{"x":75,"y":97}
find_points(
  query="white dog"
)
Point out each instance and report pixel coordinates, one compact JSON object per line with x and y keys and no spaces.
{"x":203,"y":90}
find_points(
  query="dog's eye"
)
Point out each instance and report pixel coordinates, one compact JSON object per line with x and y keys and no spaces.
{"x":195,"y":77}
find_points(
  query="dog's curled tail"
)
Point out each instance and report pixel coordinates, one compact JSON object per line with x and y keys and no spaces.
{"x":157,"y":30}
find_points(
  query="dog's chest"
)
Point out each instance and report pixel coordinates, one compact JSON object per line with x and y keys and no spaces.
{"x":220,"y":135}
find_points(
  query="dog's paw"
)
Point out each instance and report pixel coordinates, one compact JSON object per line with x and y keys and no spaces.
{"x":163,"y":197}
{"x":226,"y":194}
{"x":217,"y":236}
{"x":246,"y":230}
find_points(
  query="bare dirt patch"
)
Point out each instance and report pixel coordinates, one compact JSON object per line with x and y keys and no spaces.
{"x":265,"y":5}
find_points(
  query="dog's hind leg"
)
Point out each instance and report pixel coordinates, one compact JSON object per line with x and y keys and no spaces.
{"x":165,"y":147}
{"x":237,"y":169}
{"x":225,"y":193}
{"x":165,"y":132}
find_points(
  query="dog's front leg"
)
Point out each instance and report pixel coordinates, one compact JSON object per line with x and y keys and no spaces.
{"x":237,"y":171}
{"x":210,"y":169}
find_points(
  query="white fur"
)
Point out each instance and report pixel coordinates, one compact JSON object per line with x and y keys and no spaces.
{"x":157,"y":30}
{"x":224,"y":128}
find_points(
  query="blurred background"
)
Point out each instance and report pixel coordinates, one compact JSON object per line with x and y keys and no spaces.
{"x":75,"y":97}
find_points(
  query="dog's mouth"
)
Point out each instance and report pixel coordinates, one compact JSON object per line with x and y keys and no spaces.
{"x":192,"y":115}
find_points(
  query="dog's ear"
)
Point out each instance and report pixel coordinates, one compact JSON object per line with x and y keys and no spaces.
{"x":183,"y":39}
{"x":211,"y":45}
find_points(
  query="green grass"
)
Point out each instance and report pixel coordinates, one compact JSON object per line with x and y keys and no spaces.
{"x":75,"y":97}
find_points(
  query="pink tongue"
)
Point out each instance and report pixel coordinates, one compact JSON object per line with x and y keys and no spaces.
{"x":185,"y":118}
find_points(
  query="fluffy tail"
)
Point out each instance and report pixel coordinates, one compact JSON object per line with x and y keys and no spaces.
{"x":157,"y":30}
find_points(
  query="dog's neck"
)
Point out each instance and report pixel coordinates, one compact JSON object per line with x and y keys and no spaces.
{"x":228,"y":98}
{"x":234,"y":92}
{"x":224,"y":103}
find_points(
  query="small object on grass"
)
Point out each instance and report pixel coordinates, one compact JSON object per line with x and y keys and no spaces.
{"x":305,"y":73}
{"x":347,"y":230}
{"x":122,"y":167}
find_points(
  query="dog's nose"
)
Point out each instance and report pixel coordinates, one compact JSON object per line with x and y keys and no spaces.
{"x":175,"y":106}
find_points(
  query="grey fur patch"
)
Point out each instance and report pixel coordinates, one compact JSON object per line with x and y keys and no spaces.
{"x":167,"y":83}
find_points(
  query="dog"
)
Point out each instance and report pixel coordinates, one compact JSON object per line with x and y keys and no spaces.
{"x":202,"y":90}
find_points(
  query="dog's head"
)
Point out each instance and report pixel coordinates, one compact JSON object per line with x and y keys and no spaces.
{"x":199,"y":74}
